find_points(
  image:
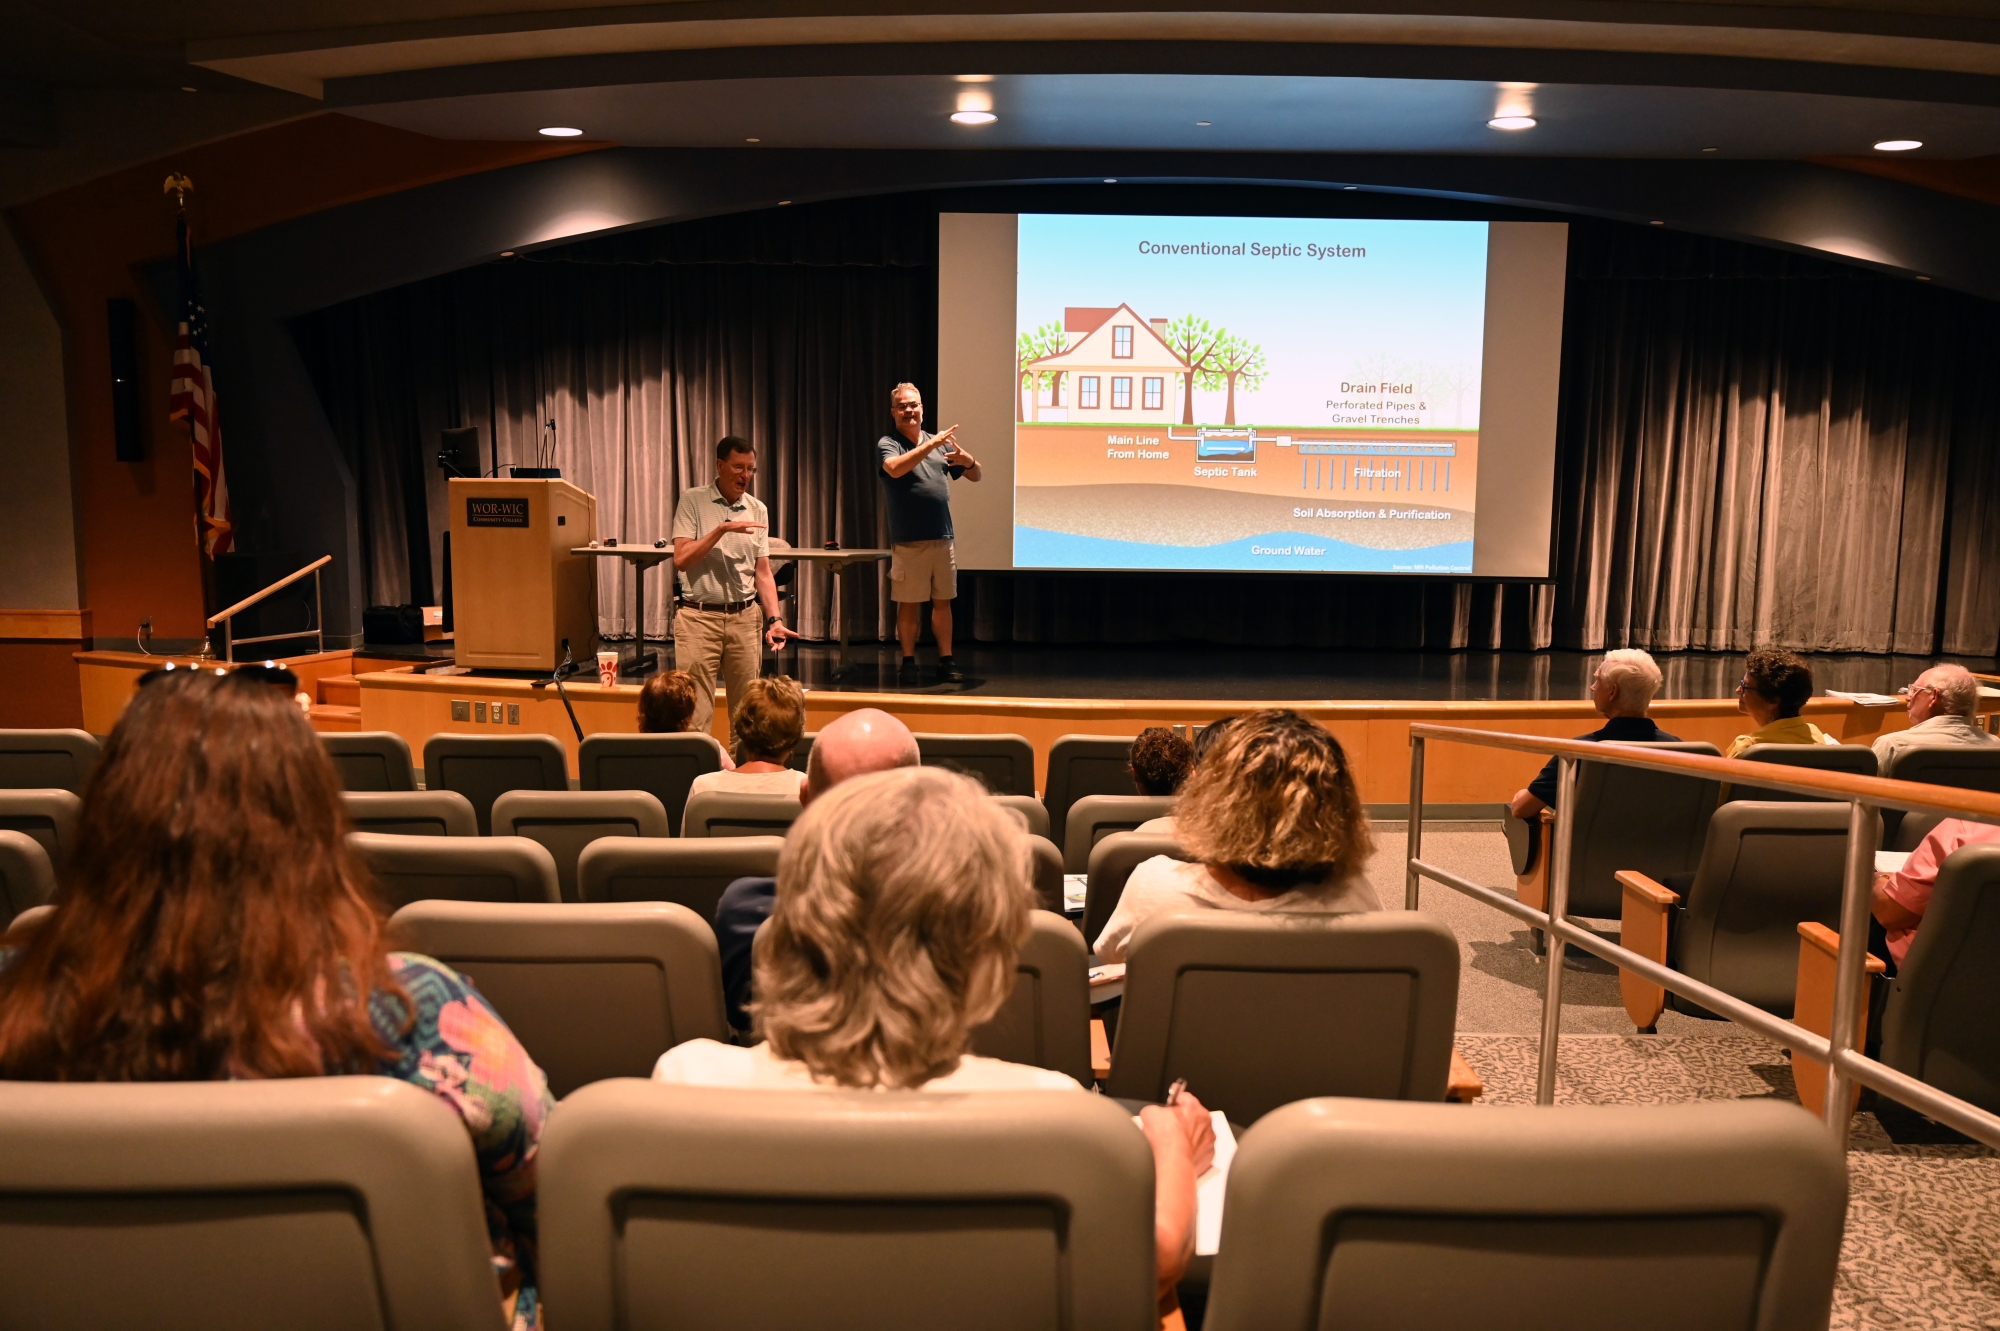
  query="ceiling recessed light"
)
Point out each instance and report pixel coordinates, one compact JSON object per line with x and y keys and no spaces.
{"x":1350,"y":187}
{"x":1711,"y":150}
{"x":506,"y":254}
{"x":560,"y":132}
{"x":1111,"y":180}
{"x":975,"y":78}
{"x":753,"y":140}
{"x":784,"y":203}
{"x":1656,"y":224}
{"x":190,"y":90}
{"x":1922,"y":278}
{"x":1203,"y":123}
{"x":1898,"y":145}
{"x":1511,"y":122}
{"x":973,"y":117}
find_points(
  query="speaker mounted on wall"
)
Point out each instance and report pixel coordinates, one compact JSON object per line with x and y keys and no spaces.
{"x":126,"y":414}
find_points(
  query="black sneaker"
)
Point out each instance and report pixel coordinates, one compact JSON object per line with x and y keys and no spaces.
{"x":949,"y":672}
{"x":908,"y":676}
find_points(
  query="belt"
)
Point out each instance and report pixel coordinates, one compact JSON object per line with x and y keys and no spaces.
{"x":714,"y":607}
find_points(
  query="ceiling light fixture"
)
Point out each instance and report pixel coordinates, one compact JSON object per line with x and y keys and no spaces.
{"x":975,"y":107}
{"x":1898,"y":145}
{"x":975,"y":78}
{"x":1511,"y":122}
{"x":1203,"y":123}
{"x":187,"y":89}
{"x":1711,"y":150}
{"x":973,"y":117}
{"x":560,"y":132}
{"x":1111,"y":180}
{"x":1350,"y":187}
{"x":506,"y":254}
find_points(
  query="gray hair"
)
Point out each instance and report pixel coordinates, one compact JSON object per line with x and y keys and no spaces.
{"x":1634,"y":674}
{"x":900,"y":387}
{"x":1957,"y":690}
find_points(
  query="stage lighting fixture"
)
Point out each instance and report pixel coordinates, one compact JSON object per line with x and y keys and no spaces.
{"x":1511,"y":122}
{"x":560,"y":132}
{"x":973,"y":117}
{"x":1202,"y":123}
{"x":1898,"y":145}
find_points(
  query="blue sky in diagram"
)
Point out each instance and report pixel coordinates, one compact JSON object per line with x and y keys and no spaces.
{"x":1418,"y":300}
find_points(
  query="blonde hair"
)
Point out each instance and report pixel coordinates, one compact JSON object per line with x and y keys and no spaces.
{"x":768,"y":721}
{"x":902,"y":904}
{"x":1273,"y":799}
{"x":1634,"y":674}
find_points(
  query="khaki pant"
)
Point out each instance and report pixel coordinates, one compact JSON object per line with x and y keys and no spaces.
{"x":707,"y":639}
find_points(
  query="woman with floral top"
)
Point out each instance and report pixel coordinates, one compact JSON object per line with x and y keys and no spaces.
{"x":213,"y":925}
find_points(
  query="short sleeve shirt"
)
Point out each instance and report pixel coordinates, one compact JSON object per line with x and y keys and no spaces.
{"x":919,"y":500}
{"x":1912,"y":885}
{"x":729,"y":571}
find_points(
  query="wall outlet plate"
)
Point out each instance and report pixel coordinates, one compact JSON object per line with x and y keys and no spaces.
{"x":513,"y":714}
{"x":479,"y":712}
{"x":461,"y":710}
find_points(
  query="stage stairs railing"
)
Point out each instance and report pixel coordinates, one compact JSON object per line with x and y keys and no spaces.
{"x":230,"y":642}
{"x":1845,"y":1064}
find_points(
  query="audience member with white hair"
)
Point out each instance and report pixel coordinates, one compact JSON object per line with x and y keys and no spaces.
{"x":1943,"y":701}
{"x":1621,"y":690}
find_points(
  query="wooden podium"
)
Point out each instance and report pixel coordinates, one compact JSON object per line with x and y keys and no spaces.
{"x":517,"y":590}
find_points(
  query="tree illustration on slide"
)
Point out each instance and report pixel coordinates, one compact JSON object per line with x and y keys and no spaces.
{"x":1239,"y":362}
{"x":1048,"y":340}
{"x":1193,"y":341}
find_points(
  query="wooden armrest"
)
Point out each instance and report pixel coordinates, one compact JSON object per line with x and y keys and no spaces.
{"x":1646,"y":889}
{"x":1828,"y":942}
{"x":1462,"y":1085}
{"x":1100,"y":1050}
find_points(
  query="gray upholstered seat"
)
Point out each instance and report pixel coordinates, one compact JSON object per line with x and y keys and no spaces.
{"x":1046,"y":1020}
{"x":725,"y":813}
{"x":46,"y":759}
{"x":27,"y":878}
{"x":662,"y":765}
{"x":316,"y":1203}
{"x":691,"y":871}
{"x":29,"y":920}
{"x":703,"y":1207}
{"x":1030,"y":808}
{"x":1081,"y":765}
{"x":1259,"y":1010}
{"x":591,"y":991}
{"x":1112,"y":861}
{"x":1940,"y":1025}
{"x":1961,"y":766}
{"x":456,"y":868}
{"x":1004,"y":764}
{"x":484,"y":767}
{"x":1048,"y":874}
{"x":1853,"y":759}
{"x":1360,"y":1214}
{"x":566,"y":821}
{"x":411,"y":812}
{"x":371,"y":760}
{"x":1095,"y":817}
{"x":802,"y":754}
{"x":48,"y":815}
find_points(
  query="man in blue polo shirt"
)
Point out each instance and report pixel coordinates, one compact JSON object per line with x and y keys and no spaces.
{"x":917,"y":471}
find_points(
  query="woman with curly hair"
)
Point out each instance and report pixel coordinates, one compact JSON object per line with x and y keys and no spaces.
{"x":1775,"y":688}
{"x":214,"y":926}
{"x":1272,"y":821}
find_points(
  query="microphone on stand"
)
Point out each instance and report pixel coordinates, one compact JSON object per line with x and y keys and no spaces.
{"x":562,"y":672}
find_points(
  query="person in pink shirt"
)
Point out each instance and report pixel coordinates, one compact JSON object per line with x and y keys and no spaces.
{"x":1901,"y":898}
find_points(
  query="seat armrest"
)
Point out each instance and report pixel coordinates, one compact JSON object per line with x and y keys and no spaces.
{"x":1812,"y":1008}
{"x":1100,"y":1050}
{"x":1645,"y":927}
{"x":1648,"y":890}
{"x":1462,"y":1084}
{"x":1532,"y":887}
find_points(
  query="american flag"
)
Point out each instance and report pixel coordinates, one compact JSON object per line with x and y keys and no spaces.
{"x":192,"y":398}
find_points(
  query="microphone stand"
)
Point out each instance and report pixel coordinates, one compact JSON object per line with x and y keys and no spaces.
{"x":562,"y":672}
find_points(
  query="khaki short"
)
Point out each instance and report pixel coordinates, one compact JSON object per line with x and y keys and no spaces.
{"x":922,"y":571}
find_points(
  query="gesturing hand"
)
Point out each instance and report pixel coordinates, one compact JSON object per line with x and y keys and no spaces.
{"x":775,"y":634}
{"x":739,"y":526}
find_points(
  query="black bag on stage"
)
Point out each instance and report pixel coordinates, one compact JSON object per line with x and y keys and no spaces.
{"x":393,"y":625}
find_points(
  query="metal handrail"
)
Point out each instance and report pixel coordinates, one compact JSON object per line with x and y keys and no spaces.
{"x":230,"y":642}
{"x":1845,"y":1065}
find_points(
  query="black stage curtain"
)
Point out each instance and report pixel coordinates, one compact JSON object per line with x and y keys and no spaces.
{"x":1755,"y":448}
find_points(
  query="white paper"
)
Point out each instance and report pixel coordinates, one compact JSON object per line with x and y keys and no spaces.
{"x":1869,"y":699}
{"x":1073,"y":890}
{"x":1209,"y":1190}
{"x":1891,"y":861}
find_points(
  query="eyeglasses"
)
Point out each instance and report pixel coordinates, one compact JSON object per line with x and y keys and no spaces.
{"x":268,"y":673}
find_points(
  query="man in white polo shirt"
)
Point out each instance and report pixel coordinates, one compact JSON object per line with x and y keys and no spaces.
{"x":727,"y":607}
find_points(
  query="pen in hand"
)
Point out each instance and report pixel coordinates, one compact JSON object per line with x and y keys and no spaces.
{"x":1174,"y":1091}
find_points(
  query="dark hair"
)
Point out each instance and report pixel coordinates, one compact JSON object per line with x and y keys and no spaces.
{"x":732,"y":443}
{"x":1160,"y":761}
{"x":1780,"y":677}
{"x":666,"y":703}
{"x":213,"y":922}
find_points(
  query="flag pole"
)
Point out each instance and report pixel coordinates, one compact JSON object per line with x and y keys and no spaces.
{"x":193,"y":402}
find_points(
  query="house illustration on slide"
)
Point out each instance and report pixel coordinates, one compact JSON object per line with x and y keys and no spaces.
{"x":1118,"y":370}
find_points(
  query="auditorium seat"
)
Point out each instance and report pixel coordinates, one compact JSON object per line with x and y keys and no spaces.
{"x":411,"y":812}
{"x":566,"y":821}
{"x":315,"y":1203}
{"x":1048,"y":875}
{"x":455,"y":868}
{"x":1961,"y":766}
{"x":25,"y":923}
{"x":692,"y":872}
{"x":1081,"y":765}
{"x":1259,"y":1010}
{"x":27,"y":878}
{"x":591,"y":991}
{"x":688,"y":1206}
{"x":1911,"y":829}
{"x":372,"y":760}
{"x":1095,"y":817}
{"x":484,"y":767}
{"x":1939,"y":1024}
{"x":1765,"y":866}
{"x":48,"y":815}
{"x":46,"y":759}
{"x":1030,"y":808}
{"x":1112,"y":861}
{"x":723,"y":813}
{"x":1046,"y":1019}
{"x":662,"y":765}
{"x":1854,"y":759}
{"x":803,"y":753}
{"x":1004,"y":764}
{"x":1356,"y":1213}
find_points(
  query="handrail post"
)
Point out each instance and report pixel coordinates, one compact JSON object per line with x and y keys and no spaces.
{"x":228,"y":640}
{"x":319,"y":613}
{"x":1558,"y":907}
{"x":1416,"y":823}
{"x":1850,"y":978}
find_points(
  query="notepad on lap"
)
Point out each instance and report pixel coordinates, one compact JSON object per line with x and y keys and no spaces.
{"x":1210,"y":1187}
{"x":1891,"y":861}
